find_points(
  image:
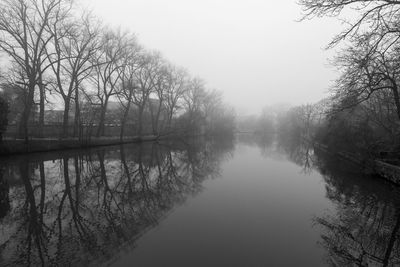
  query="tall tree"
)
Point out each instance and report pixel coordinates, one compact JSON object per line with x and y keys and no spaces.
{"x":365,"y":73}
{"x":128,"y":83}
{"x":193,"y":102}
{"x":370,"y":63}
{"x":23,"y":37}
{"x":109,"y":61}
{"x":177,"y":82}
{"x":160,"y":91}
{"x":145,"y":77}
{"x":73,"y":46}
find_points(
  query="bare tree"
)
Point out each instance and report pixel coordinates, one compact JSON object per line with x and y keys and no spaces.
{"x":176,"y":88}
{"x":377,"y":19}
{"x":193,"y":101}
{"x":109,"y":62}
{"x":365,"y":73}
{"x":370,"y":65}
{"x":75,"y":43}
{"x":23,"y":37}
{"x":160,"y":90}
{"x":128,"y":84}
{"x":91,"y":66}
{"x":145,"y":77}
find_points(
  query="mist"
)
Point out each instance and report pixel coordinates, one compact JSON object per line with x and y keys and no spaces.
{"x":256,"y":52}
{"x":199,"y":133}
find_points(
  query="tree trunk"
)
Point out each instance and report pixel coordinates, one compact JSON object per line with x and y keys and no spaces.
{"x":42,"y":99}
{"x":124,"y":119}
{"x":77,"y":181}
{"x":169,"y":121}
{"x":126,"y":170}
{"x":392,"y":241}
{"x":26,"y":113}
{"x":396,"y":100}
{"x":34,"y":227}
{"x":77,"y":117}
{"x":153,"y":119}
{"x":158,"y":118}
{"x":4,"y":195}
{"x":140,"y":122}
{"x":66,"y":116}
{"x":42,"y":190}
{"x":100,"y":130}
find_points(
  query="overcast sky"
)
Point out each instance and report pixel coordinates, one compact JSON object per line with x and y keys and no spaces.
{"x":254,"y":51}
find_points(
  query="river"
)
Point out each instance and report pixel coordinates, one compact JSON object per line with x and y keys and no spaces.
{"x":246,"y":201}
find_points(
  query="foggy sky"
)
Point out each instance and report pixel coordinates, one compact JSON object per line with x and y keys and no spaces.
{"x":254,"y":51}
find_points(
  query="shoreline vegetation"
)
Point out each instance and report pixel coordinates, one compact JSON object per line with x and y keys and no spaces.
{"x":71,"y":81}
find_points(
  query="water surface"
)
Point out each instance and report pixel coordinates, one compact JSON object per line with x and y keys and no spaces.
{"x":244,"y":202}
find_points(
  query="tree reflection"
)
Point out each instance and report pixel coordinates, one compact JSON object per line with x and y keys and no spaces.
{"x":298,"y":151}
{"x":4,"y":195}
{"x":265,"y":142}
{"x":80,"y":208}
{"x":365,"y":230}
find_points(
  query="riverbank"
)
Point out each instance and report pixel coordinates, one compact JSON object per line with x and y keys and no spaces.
{"x":377,"y":167}
{"x":18,"y":146}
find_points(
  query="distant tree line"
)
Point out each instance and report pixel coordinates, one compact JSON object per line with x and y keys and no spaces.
{"x":362,"y":113}
{"x":59,"y":56}
{"x":265,"y":123}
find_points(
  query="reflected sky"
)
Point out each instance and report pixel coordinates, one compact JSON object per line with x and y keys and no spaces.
{"x":257,"y":214}
{"x":253,"y":201}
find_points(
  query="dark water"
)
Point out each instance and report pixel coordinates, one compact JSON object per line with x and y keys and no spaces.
{"x":243,"y":202}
